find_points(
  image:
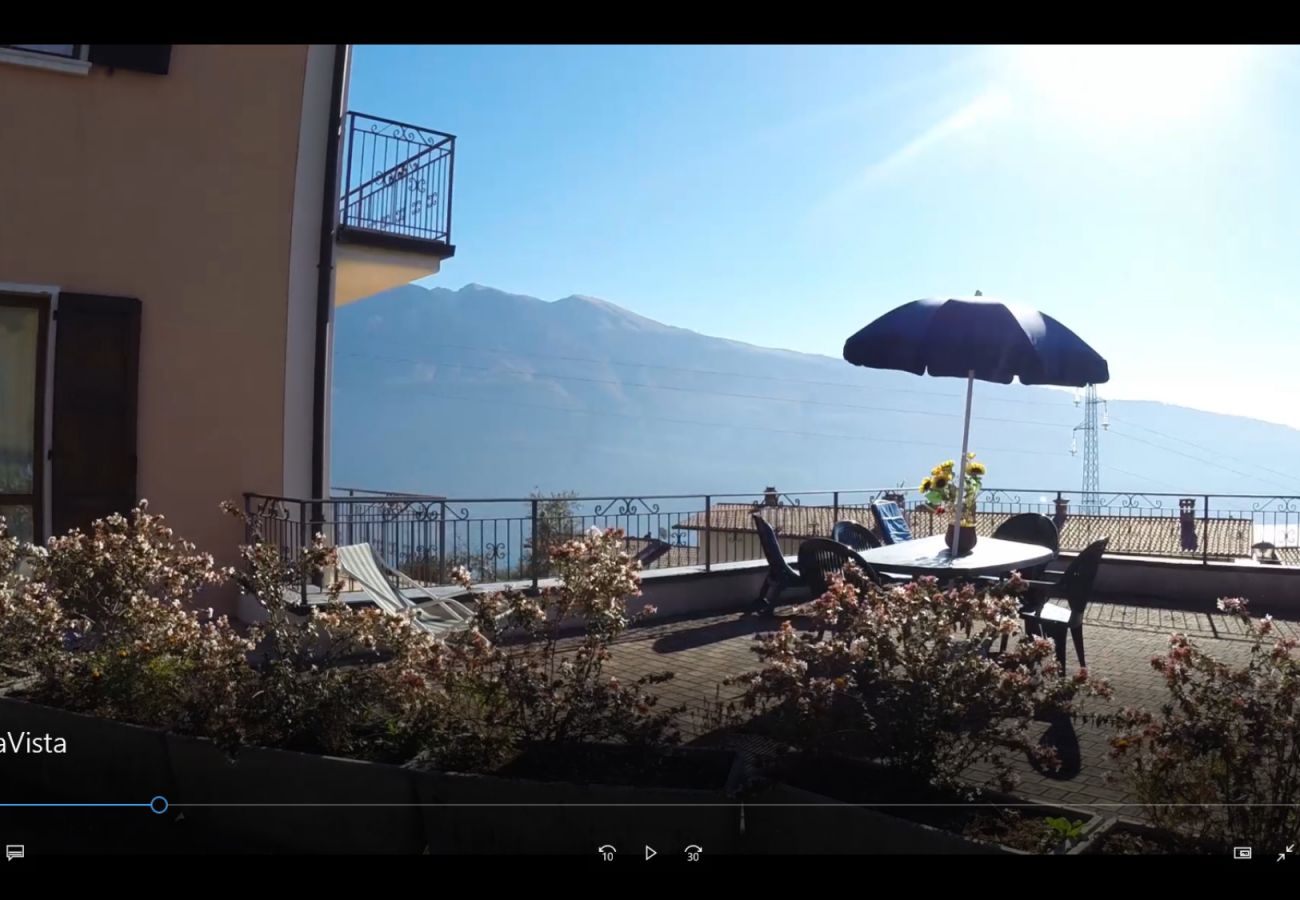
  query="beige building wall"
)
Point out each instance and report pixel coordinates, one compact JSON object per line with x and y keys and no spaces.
{"x":179,"y":190}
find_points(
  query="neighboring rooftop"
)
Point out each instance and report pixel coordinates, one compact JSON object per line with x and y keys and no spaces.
{"x":1156,"y":533}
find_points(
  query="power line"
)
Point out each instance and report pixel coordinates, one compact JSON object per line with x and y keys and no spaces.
{"x":1206,"y":462}
{"x":811,"y":382}
{"x":1287,"y":475}
{"x":640,"y":418}
{"x":714,"y":372}
{"x":766,"y":397}
{"x":717,"y":425}
{"x":730,"y":394}
{"x":1156,"y":481}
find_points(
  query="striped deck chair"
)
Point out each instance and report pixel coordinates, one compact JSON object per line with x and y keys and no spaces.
{"x":376,"y":578}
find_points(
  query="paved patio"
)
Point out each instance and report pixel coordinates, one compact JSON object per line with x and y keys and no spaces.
{"x":1121,"y":637}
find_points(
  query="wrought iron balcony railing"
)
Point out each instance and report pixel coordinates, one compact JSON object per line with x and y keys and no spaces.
{"x":397,"y":183}
{"x":508,"y":539}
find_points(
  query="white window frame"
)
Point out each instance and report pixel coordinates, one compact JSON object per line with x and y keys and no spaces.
{"x":46,"y":493}
{"x":78,"y":65}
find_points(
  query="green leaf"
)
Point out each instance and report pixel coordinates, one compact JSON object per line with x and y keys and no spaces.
{"x":1065,"y":827}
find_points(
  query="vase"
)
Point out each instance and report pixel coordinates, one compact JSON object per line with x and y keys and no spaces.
{"x":965,"y":540}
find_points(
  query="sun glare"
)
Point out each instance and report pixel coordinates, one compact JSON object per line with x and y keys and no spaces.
{"x":1121,"y":84}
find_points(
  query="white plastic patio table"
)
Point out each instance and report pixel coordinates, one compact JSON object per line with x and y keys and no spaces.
{"x":931,"y":556}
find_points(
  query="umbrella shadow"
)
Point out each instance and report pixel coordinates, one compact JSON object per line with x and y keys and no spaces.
{"x":694,"y":638}
{"x":1061,"y":736}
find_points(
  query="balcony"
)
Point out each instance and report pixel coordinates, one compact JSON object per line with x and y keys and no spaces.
{"x":1174,"y":555}
{"x":395,"y":205}
{"x":1194,"y":548}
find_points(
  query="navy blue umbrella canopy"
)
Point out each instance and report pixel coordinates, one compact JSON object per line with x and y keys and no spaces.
{"x":977,"y":337}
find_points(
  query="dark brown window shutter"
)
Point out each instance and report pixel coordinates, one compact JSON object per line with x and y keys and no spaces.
{"x":151,"y":58}
{"x":96,"y":370}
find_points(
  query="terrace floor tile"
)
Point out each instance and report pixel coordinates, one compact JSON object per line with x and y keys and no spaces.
{"x":1121,"y":638}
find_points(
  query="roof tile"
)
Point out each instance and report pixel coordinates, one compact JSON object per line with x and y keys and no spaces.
{"x":1145,"y":534}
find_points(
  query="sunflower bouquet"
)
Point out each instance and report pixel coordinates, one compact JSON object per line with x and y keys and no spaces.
{"x":940,"y":487}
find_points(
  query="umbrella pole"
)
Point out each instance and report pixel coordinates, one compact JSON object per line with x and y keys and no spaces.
{"x":961,"y":465}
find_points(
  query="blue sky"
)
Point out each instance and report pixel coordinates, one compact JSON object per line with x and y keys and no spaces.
{"x":1149,"y":198}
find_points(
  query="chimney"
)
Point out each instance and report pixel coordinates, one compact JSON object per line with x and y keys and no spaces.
{"x":1187,"y":523}
{"x":771,"y":497}
{"x":1265,"y":552}
{"x":1062,"y":512}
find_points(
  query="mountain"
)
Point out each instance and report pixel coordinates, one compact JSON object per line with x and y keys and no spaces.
{"x":480,"y":393}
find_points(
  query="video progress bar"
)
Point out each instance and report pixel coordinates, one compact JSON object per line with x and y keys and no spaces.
{"x":158,"y":805}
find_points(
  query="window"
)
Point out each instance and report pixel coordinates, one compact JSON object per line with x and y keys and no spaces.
{"x":22,"y":408}
{"x":64,"y":470}
{"x":71,"y":58}
{"x":70,"y":51}
{"x":154,"y":59}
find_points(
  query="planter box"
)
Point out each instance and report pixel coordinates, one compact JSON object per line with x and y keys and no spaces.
{"x":1092,"y":845}
{"x":338,"y":805}
{"x":787,"y":818}
{"x":114,"y":762}
{"x":106,"y":761}
{"x":506,"y":814}
{"x":350,"y":806}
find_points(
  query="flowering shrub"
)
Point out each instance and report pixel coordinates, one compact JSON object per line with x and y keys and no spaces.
{"x":353,"y":682}
{"x":104,"y":620}
{"x":105,"y":623}
{"x":158,"y":664}
{"x":32,"y":624}
{"x":902,"y":674}
{"x":97,"y":573}
{"x":370,"y":684}
{"x":501,"y":697}
{"x":1220,"y":762}
{"x":333,"y":678}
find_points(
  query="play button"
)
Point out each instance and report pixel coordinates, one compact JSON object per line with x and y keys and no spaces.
{"x":650,"y":851}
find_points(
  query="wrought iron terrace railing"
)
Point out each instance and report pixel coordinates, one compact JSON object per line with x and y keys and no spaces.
{"x":508,"y":539}
{"x":397,"y":179}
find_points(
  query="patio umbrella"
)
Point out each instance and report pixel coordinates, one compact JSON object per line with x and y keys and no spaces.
{"x":976,"y":337}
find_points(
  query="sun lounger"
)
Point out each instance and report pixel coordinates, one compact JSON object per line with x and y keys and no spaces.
{"x":391,"y":591}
